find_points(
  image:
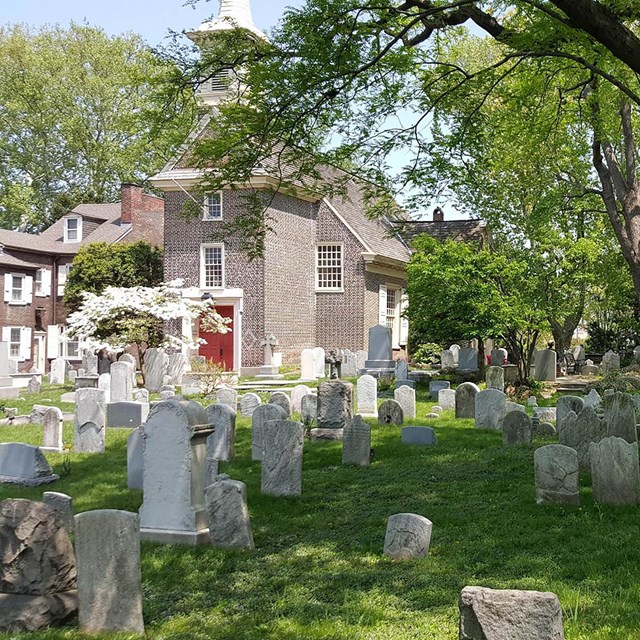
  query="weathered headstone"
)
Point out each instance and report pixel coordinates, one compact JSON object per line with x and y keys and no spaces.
{"x":90,"y":363}
{"x":422,"y":436}
{"x":447,"y":360}
{"x":408,"y":536}
{"x":390,"y":412}
{"x":221,"y":443}
{"x":282,"y":400}
{"x":121,"y":389}
{"x":610,"y":361}
{"x":228,"y":515}
{"x":62,"y":504}
{"x":154,"y":369}
{"x":579,"y":430}
{"x":141,"y":395}
{"x":309,"y":409}
{"x":319,"y":362}
{"x":545,"y":414}
{"x":282,"y":443}
{"x":592,"y":399}
{"x":307,"y":365}
{"x":249,"y":402}
{"x":514,"y":406}
{"x":104,"y":383}
{"x":89,"y":436}
{"x":545,"y":365}
{"x":619,"y":414}
{"x":135,"y":459}
{"x":455,"y":349}
{"x":532,"y":401}
{"x":636,"y":353}
{"x":406,"y":397}
{"x":34,"y":385}
{"x":468,"y":359}
{"x":447,"y":399}
{"x":109,"y":575}
{"x":466,"y":400}
{"x":356,"y":442}
{"x":402,"y":370}
{"x":405,"y":383}
{"x":490,"y":409}
{"x":498,"y":357}
{"x":349,"y":364}
{"x":335,"y":404}
{"x":58,"y":371}
{"x":228,"y":396}
{"x":126,"y":414}
{"x":367,"y":395}
{"x":495,"y":378}
{"x":52,"y":430}
{"x":25,"y":465}
{"x":556,"y":471}
{"x":263,"y":414}
{"x":175,"y":452}
{"x":297,"y":393}
{"x":506,"y":614}
{"x":435,"y":386}
{"x":615,"y":473}
{"x":361,"y":358}
{"x":177,"y":364}
{"x":565,"y":405}
{"x":516,"y":429}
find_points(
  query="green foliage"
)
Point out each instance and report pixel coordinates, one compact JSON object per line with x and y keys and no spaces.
{"x":100,"y":265}
{"x":426,"y":354}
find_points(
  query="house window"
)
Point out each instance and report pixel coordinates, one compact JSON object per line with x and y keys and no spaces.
{"x":392,"y":310}
{"x":17,"y":288}
{"x":212,"y":266}
{"x":329,"y":267}
{"x":73,"y":229}
{"x":69,"y":346}
{"x":15,"y":342}
{"x":213,"y":206}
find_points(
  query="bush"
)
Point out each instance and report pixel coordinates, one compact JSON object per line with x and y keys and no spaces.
{"x":426,"y":354}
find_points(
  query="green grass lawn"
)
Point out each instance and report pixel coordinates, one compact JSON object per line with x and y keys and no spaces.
{"x":318,"y":571}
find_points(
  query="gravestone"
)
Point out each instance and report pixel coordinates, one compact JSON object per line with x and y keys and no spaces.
{"x":408,"y":536}
{"x":282,"y":444}
{"x":495,"y":378}
{"x":34,"y":385}
{"x":592,"y":399}
{"x":490,"y":409}
{"x":615,"y":474}
{"x":58,"y":371}
{"x":466,"y":400}
{"x":447,"y":399}
{"x":319,"y":362}
{"x":422,"y":436}
{"x":175,"y":453}
{"x":349,"y":364}
{"x":297,"y":393}
{"x":221,"y":443}
{"x":37,"y":413}
{"x":89,"y":435}
{"x":545,"y":365}
{"x":154,"y":369}
{"x":72,"y":374}
{"x":498,"y":357}
{"x":282,"y":400}
{"x":62,"y":504}
{"x":25,"y":465}
{"x":380,"y":355}
{"x":141,"y":395}
{"x":177,"y":364}
{"x":545,"y":414}
{"x":107,"y":544}
{"x":52,"y":430}
{"x":514,"y":406}
{"x":556,"y":472}
{"x":335,"y":404}
{"x":507,"y":614}
{"x":579,"y":430}
{"x":636,"y":353}
{"x":532,"y":401}
{"x":619,"y":414}
{"x":361,"y":358}
{"x":356,"y":442}
{"x":129,"y":415}
{"x":121,"y":389}
{"x":130,"y":359}
{"x":228,"y":515}
{"x":104,"y":383}
{"x":566,"y":404}
{"x":406,"y":398}
{"x":468,"y":359}
{"x":435,"y":386}
{"x":447,"y":360}
{"x":610,"y":361}
{"x":516,"y":429}
{"x":307,"y":365}
{"x":402,"y":370}
{"x":135,"y":459}
{"x":249,"y":402}
{"x":390,"y":412}
{"x":367,"y":395}
{"x":228,"y":396}
{"x":404,"y":383}
{"x":263,"y":414}
{"x":37,"y":568}
{"x":309,"y":409}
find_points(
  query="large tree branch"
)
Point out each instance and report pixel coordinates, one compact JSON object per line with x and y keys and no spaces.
{"x":629,"y":144}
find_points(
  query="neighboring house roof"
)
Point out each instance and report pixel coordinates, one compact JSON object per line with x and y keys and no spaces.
{"x":10,"y":261}
{"x":470,"y":231}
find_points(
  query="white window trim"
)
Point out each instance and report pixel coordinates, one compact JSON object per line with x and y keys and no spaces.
{"x":212,"y":245}
{"x":79,"y":229}
{"x":46,"y":283}
{"x":316,"y":269}
{"x":205,"y":208}
{"x":396,"y":331}
{"x":26,"y":292}
{"x":24,"y":342}
{"x":63,"y":343}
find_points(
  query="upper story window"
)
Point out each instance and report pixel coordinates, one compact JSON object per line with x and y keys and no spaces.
{"x":329,"y":267}
{"x":73,"y":229}
{"x":212,"y":266}
{"x":213,"y":206}
{"x":18,"y":288}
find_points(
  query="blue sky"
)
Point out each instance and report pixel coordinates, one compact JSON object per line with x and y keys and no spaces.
{"x":150,"y":18}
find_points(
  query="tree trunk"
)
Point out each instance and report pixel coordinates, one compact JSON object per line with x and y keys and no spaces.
{"x":481,"y":359}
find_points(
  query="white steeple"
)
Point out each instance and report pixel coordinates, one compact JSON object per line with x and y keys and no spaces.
{"x":232,"y":14}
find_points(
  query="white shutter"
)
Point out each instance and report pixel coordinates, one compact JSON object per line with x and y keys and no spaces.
{"x":7,"y":287}
{"x":46,"y":282}
{"x":382,"y":300}
{"x":53,"y":338}
{"x":27,"y":289}
{"x":404,"y":323}
{"x":6,"y":334}
{"x":25,"y":343}
{"x":63,"y":269}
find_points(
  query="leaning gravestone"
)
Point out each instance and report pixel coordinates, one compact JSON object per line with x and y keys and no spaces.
{"x":408,"y":536}
{"x":62,"y":504}
{"x":356,"y":442}
{"x":52,"y":430}
{"x":581,"y":430}
{"x":37,"y":568}
{"x":121,"y":388}
{"x":614,"y":471}
{"x":545,"y":365}
{"x":620,"y":416}
{"x":466,"y":400}
{"x":228,"y":516}
{"x":135,"y":459}
{"x":228,"y":396}
{"x":506,"y":614}
{"x":109,"y":575}
{"x":25,"y":465}
{"x":435,"y":386}
{"x":175,"y":453}
{"x":126,"y":414}
{"x":297,"y":393}
{"x":390,"y":412}
{"x":309,"y":409}
{"x":154,"y":369}
{"x":556,"y":471}
{"x":89,"y":434}
{"x":447,"y":399}
{"x":495,"y":378}
{"x":490,"y":409}
{"x":263,"y":414}
{"x":249,"y":402}
{"x":282,"y":400}
{"x":406,"y":397}
{"x":421,"y":436}
{"x":516,"y":429}
{"x":564,"y":405}
{"x":221,"y":443}
{"x":282,"y":443}
{"x":335,"y":404}
{"x":367,"y":392}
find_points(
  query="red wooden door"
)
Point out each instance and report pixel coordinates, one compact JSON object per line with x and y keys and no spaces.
{"x":219,"y":347}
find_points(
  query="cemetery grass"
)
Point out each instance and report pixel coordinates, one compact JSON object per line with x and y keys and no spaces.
{"x":318,"y":571}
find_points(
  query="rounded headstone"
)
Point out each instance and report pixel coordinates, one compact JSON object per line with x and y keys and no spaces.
{"x":390,"y":412}
{"x":466,"y":400}
{"x":408,"y":536}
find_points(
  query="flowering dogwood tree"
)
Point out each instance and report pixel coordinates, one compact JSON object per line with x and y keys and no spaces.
{"x":121,"y":316}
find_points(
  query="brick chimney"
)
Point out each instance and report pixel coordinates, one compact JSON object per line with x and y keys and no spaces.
{"x":131,"y":199}
{"x":438,"y":215}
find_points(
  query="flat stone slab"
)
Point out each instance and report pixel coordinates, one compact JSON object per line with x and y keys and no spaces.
{"x":421,"y":436}
{"x":25,"y":465}
{"x":36,"y":613}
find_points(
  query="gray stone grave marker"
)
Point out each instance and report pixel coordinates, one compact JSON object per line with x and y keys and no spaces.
{"x":229,"y":524}
{"x":25,"y":465}
{"x":282,"y":445}
{"x":466,"y":400}
{"x":263,"y":414}
{"x":356,"y":444}
{"x":408,"y":536}
{"x":89,"y":436}
{"x":556,"y":471}
{"x":335,"y":404}
{"x":422,"y":436}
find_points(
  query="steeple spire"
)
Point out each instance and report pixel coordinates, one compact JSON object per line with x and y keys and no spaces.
{"x":232,"y":14}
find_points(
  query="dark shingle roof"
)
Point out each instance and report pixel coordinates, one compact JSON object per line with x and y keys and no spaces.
{"x":7,"y":260}
{"x":471,"y":231}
